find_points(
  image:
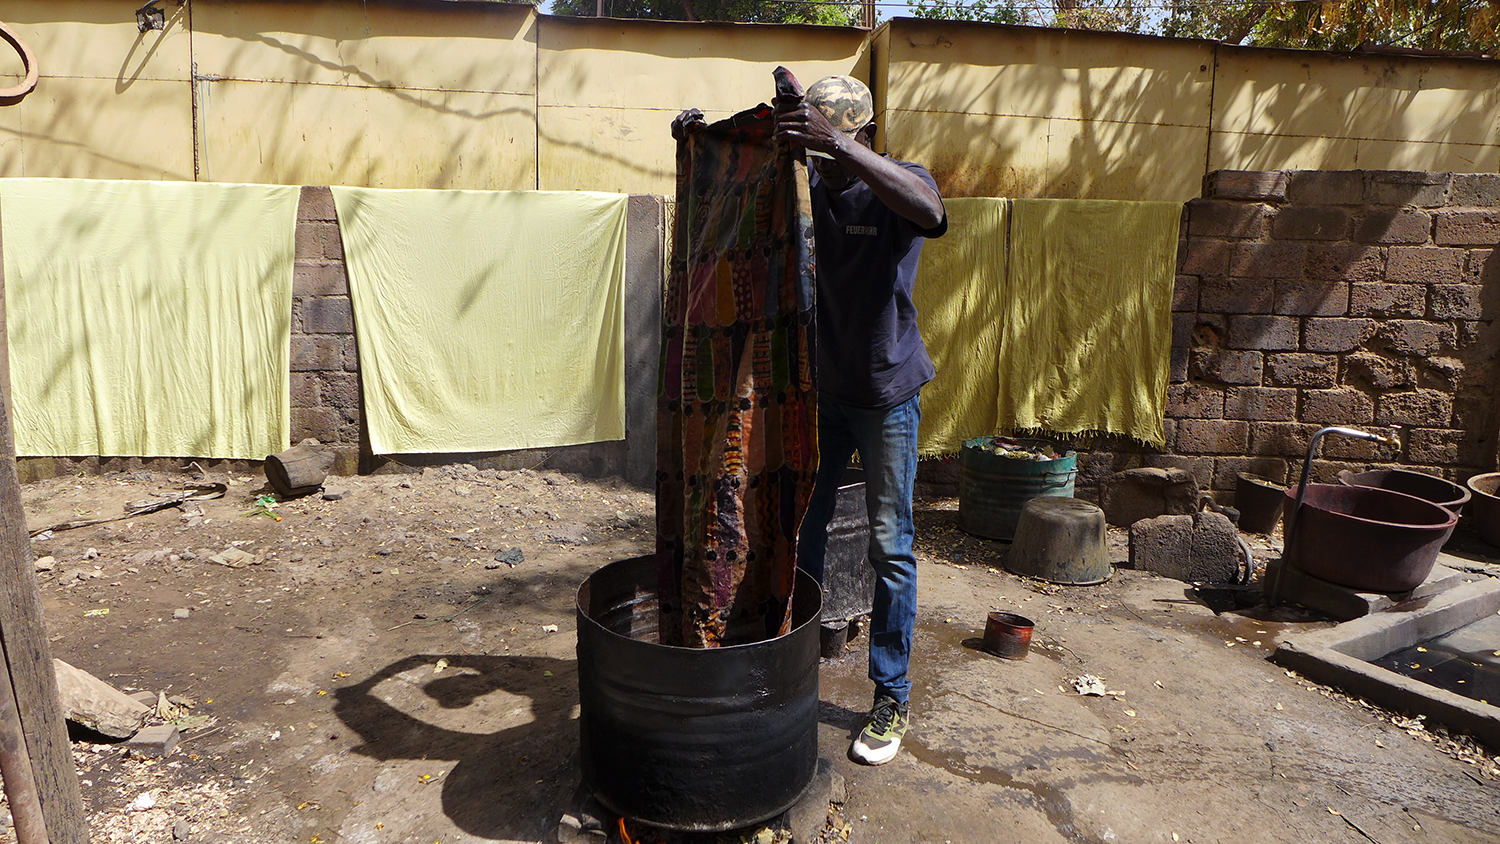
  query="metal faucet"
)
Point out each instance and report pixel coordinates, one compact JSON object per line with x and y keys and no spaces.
{"x":1291,"y":518}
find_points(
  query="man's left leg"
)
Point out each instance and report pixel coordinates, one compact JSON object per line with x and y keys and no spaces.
{"x":887,"y":442}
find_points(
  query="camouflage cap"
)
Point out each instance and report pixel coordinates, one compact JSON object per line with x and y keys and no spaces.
{"x":844,"y":100}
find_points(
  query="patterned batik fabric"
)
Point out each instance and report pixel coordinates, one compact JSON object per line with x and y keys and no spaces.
{"x":737,"y":410}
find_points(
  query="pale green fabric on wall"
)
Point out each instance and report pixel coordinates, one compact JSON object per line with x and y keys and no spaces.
{"x":148,"y":319}
{"x":1088,"y":317}
{"x":487,"y":321}
{"x":958,"y":296}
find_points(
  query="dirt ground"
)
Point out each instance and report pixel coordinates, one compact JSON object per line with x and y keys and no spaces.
{"x":375,"y":674}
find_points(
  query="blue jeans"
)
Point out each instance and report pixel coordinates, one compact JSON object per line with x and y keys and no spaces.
{"x":886,"y":439}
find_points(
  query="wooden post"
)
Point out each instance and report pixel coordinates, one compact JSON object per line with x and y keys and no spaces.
{"x":30,"y":685}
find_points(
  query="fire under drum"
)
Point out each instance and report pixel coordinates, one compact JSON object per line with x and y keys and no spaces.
{"x":693,"y":739}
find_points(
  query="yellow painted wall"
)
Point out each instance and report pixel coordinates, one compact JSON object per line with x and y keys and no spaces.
{"x":1009,"y":111}
{"x":487,"y":95}
{"x":377,"y":95}
{"x":1284,"y":109}
{"x":111,"y":102}
{"x":609,"y":90}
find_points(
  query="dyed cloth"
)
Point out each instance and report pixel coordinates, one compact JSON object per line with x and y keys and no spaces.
{"x":149,"y":319}
{"x":958,"y":296}
{"x":487,"y":321}
{"x":737,"y":411}
{"x":1088,"y":317}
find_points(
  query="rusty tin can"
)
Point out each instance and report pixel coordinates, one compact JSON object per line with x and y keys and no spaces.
{"x":1008,"y":635}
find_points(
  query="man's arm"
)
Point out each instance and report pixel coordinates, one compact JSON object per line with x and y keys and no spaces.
{"x":901,"y":190}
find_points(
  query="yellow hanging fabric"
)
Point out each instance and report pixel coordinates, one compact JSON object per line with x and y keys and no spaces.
{"x":960,"y":285}
{"x":487,"y":321}
{"x":1088,"y":317}
{"x":148,"y":319}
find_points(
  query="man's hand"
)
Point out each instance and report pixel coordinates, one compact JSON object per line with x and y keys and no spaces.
{"x":805,"y":126}
{"x":687,"y":123}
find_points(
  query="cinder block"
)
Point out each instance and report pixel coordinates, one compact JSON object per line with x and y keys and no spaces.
{"x":1304,"y":223}
{"x":1267,"y":260}
{"x":1388,"y":300}
{"x":1334,"y":334}
{"x":307,"y":246}
{"x":1482,"y":267}
{"x":1372,"y":372}
{"x":1177,"y":364}
{"x":332,"y":241}
{"x":1475,"y":189}
{"x":1227,"y":470}
{"x":1424,"y":264}
{"x":316,"y":203}
{"x":1343,"y":406}
{"x":1257,"y":185}
{"x":1301,"y":369}
{"x":1236,"y":296}
{"x":1199,"y":548}
{"x":1201,"y":468}
{"x":351,"y":353}
{"x":1261,"y":404}
{"x":321,"y":423}
{"x":1345,"y":262}
{"x":304,"y":389}
{"x":1416,"y":337}
{"x":1195,"y":401}
{"x":319,"y":280}
{"x":1468,"y":227}
{"x":1363,"y":451}
{"x":1423,"y":408}
{"x":1264,"y":333}
{"x":157,"y":741}
{"x":1221,"y":218}
{"x":1185,"y":294}
{"x":1205,"y":257}
{"x":1441,"y":373}
{"x":1227,"y":367}
{"x":1439,"y":446}
{"x":1212,"y":436}
{"x":1280,"y":439}
{"x":310,"y":354}
{"x":1457,"y":301}
{"x":339,"y":389}
{"x":327,"y":315}
{"x":1398,"y":225}
{"x":1295,"y":297}
{"x":1326,"y":187}
{"x":1404,"y":187}
{"x":1147,"y":492}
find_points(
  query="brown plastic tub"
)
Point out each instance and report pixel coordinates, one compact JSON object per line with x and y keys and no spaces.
{"x":1485,"y":511}
{"x":1440,"y":492}
{"x":1369,"y":539}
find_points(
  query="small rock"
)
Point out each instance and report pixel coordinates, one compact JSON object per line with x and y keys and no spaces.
{"x":146,"y":698}
{"x":511,"y":557}
{"x":45,"y":563}
{"x":568,"y":535}
{"x":181,"y":612}
{"x":377,"y":571}
{"x":295,"y":558}
{"x":156,"y":741}
{"x":181,"y":831}
{"x":93,"y":703}
{"x":233,"y":558}
{"x":91,"y":554}
{"x":383,"y":552}
{"x":333,"y":494}
{"x":142,"y":803}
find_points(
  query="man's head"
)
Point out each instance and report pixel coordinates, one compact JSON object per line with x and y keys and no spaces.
{"x":848,"y":105}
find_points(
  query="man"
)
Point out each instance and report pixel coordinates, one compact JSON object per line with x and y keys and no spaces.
{"x":871,"y":214}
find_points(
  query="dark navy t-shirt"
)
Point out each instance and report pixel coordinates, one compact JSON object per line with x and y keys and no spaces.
{"x":870,"y":353}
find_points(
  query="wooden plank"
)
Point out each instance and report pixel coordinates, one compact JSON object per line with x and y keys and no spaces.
{"x":24,"y":647}
{"x":15,"y":769}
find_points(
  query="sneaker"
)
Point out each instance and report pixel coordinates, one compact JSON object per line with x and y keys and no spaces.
{"x":881,"y":738}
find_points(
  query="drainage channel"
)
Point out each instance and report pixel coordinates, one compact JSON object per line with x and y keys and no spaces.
{"x":1464,"y":661}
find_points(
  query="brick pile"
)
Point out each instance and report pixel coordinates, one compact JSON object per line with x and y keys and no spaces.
{"x":324,"y":360}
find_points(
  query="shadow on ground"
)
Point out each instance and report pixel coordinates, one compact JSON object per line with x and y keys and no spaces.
{"x":503,"y":785}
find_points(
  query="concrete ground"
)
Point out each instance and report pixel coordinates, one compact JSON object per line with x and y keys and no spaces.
{"x":377,"y":676}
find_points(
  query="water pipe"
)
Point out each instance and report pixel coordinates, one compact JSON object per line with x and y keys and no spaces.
{"x":1291,"y":518}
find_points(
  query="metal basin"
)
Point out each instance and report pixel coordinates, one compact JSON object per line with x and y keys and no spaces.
{"x":1486,"y":509}
{"x":693,"y":739}
{"x":1369,"y":539}
{"x":1438,"y":491}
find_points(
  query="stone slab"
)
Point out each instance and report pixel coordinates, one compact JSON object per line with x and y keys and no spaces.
{"x":157,"y":741}
{"x":1339,"y":656}
{"x":1343,"y":603}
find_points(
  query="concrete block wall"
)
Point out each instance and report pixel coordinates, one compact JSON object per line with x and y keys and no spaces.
{"x":1312,"y":298}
